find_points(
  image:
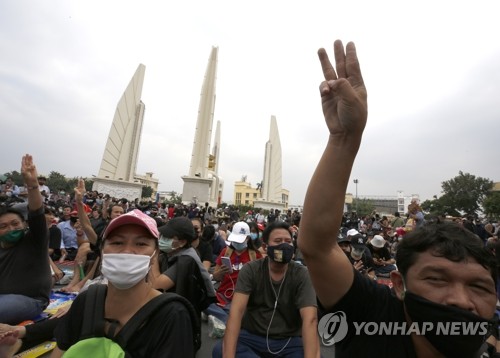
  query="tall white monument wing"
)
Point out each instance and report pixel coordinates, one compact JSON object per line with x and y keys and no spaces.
{"x":272,"y":182}
{"x":203,"y":132}
{"x":119,"y":161}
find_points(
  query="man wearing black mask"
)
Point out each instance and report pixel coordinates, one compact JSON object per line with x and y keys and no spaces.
{"x":273,"y":311}
{"x":444,"y":290}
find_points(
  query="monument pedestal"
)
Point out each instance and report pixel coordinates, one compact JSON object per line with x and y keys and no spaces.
{"x":196,"y":190}
{"x":118,"y":188}
{"x":267,"y":205}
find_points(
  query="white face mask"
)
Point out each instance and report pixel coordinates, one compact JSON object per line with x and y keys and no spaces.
{"x":125,"y":270}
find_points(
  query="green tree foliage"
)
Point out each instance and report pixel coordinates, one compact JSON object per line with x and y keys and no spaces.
{"x":491,"y":204}
{"x":17,"y":178}
{"x":175,"y":198}
{"x":147,"y":192}
{"x":362,"y":206}
{"x":57,"y":182}
{"x":439,"y":206}
{"x":88,"y":184}
{"x":463,"y":194}
{"x":466,"y":192}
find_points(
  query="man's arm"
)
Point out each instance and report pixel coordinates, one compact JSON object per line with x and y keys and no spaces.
{"x":309,"y":331}
{"x":30,"y":176}
{"x":343,"y":97}
{"x":233,"y":326}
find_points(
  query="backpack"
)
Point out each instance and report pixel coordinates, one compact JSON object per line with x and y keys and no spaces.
{"x":93,"y":340}
{"x":190,"y":283}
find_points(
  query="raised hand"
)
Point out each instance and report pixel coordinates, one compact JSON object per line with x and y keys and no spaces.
{"x":80,"y":190}
{"x":28,"y":170}
{"x":343,"y":93}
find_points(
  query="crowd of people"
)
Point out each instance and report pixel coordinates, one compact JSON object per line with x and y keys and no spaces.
{"x":147,"y":274}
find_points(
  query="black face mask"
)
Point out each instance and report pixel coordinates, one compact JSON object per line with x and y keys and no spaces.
{"x":282,"y":253}
{"x":462,"y":344}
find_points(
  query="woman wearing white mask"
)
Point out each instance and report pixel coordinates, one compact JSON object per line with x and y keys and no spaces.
{"x":129,"y":244}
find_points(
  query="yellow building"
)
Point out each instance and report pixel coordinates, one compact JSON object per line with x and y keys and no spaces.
{"x":245,"y":194}
{"x":147,"y":180}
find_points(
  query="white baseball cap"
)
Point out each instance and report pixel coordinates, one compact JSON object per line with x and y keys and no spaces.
{"x":239,"y":233}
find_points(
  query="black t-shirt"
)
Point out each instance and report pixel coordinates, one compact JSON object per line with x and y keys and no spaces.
{"x":24,"y":268}
{"x":54,"y":237}
{"x":168,"y":333}
{"x":204,"y":251}
{"x":367,"y":301}
{"x":382,"y":253}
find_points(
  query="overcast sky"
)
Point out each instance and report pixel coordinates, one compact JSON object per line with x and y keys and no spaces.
{"x":432,"y":71}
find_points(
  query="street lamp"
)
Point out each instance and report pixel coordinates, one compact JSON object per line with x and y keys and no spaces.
{"x":356,"y":181}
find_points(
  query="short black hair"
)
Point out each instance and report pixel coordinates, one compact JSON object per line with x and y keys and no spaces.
{"x":447,"y":240}
{"x":9,"y":210}
{"x":273,"y":226}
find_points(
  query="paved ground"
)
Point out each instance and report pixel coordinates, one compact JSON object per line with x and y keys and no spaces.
{"x":208,"y":343}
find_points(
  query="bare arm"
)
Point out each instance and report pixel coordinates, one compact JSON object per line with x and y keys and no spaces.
{"x":163,"y":282}
{"x":220,"y":272}
{"x":343,"y":97}
{"x":82,"y":215}
{"x":56,"y":353}
{"x":30,"y":176}
{"x":309,"y":332}
{"x":233,"y":327}
{"x":105,"y":206}
{"x":207,"y":265}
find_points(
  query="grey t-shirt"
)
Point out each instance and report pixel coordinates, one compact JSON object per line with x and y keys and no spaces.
{"x":296,"y":292}
{"x":171,"y":272}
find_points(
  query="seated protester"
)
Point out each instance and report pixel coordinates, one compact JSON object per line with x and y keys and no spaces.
{"x":129,"y":246}
{"x":383,"y":262}
{"x":72,"y":236}
{"x":90,"y":249}
{"x":214,"y":240}
{"x":184,"y":273}
{"x":445,"y":276}
{"x":9,"y":191}
{"x":357,"y":253}
{"x":31,"y":335}
{"x":97,"y":222}
{"x":256,"y":235}
{"x":240,"y":252}
{"x":203,"y":248}
{"x":25,"y":278}
{"x":274,"y":307}
{"x":54,"y":231}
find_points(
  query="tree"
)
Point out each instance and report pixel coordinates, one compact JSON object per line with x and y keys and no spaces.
{"x":17,"y":177}
{"x":363,"y":207}
{"x":175,"y":198}
{"x":57,"y":181}
{"x":465,"y":192}
{"x":147,"y":192}
{"x":491,"y":204}
{"x":439,"y":206}
{"x":89,"y":183}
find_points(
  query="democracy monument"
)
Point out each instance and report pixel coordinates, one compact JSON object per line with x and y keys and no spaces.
{"x":203,"y":184}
